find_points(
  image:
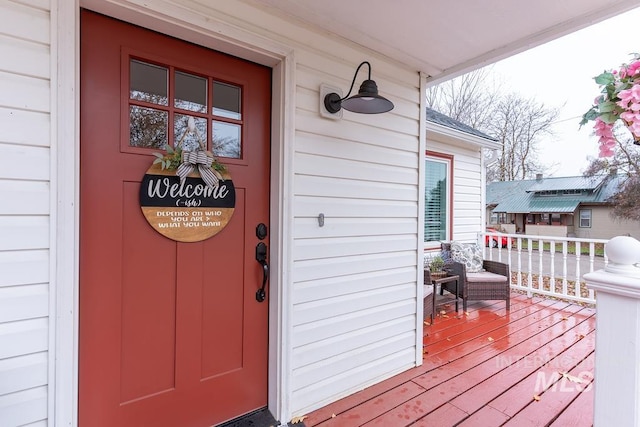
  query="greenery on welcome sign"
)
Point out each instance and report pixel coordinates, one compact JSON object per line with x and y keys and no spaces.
{"x":172,"y":159}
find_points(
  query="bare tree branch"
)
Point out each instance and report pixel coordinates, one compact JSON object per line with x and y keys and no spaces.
{"x":518,"y":123}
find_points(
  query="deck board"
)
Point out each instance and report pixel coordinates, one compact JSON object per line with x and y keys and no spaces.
{"x":483,"y":368}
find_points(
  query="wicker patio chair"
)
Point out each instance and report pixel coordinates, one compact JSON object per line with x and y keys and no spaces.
{"x":491,"y":284}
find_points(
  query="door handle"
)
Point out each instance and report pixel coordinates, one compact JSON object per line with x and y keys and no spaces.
{"x":261,"y":257}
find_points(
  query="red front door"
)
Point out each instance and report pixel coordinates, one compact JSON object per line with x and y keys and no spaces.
{"x":171,"y":333}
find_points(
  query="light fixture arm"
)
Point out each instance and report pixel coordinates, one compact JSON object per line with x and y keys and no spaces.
{"x":353,"y":82}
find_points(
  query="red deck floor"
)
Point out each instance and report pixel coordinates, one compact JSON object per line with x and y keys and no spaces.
{"x":532,"y":366}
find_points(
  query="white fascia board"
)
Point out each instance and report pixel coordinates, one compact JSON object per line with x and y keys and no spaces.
{"x":452,"y":134}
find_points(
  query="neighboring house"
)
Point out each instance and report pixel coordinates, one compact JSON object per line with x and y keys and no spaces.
{"x":573,"y":206}
{"x":454,"y":180}
{"x":104,"y":321}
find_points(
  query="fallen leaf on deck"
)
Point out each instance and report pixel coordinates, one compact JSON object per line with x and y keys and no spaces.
{"x":571,"y":378}
{"x":445,"y":316}
{"x":490,"y":339}
{"x":580,"y":336}
{"x":443,"y":312}
{"x":448,"y":339}
{"x":466,"y":313}
{"x":427,"y":323}
{"x":565,"y":318}
{"x":536,"y":397}
{"x":333,"y":415}
{"x":296,"y":420}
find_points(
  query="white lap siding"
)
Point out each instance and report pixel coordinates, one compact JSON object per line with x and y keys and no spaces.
{"x":24,"y":211}
{"x":354,"y":279}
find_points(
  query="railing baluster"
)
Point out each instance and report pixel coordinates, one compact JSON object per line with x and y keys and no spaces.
{"x":552,"y":275}
{"x":578,"y":254}
{"x":530,"y":276}
{"x":540,"y":272}
{"x":519,"y":279}
{"x":592,"y":259}
{"x":564,"y":268}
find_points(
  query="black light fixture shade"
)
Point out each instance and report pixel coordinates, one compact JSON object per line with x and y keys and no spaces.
{"x":367,"y":101}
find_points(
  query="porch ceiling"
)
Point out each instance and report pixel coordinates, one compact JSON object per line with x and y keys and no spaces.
{"x":446,"y":38}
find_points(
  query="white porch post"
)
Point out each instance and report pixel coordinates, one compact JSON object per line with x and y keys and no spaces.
{"x":617,"y":366}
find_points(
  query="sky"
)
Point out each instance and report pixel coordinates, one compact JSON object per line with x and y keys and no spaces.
{"x":560,"y":75}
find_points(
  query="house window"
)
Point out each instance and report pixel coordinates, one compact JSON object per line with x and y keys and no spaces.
{"x":498,"y":218}
{"x":585,"y":218}
{"x":437,"y":205}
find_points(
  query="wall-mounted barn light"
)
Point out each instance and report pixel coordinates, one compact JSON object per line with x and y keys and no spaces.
{"x":367,"y":100}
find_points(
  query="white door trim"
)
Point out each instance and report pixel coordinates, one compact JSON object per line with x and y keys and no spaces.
{"x":208,"y":31}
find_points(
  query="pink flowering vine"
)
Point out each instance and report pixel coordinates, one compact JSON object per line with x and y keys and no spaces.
{"x":620,"y":100}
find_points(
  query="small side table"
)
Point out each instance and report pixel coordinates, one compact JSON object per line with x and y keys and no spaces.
{"x":438,"y":280}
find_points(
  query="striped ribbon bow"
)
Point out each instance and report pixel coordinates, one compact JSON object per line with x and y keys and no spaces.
{"x":191,"y":159}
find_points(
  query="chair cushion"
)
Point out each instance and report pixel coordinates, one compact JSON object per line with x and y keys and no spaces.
{"x":485,"y":277}
{"x":469,"y":254}
{"x":445,"y":253}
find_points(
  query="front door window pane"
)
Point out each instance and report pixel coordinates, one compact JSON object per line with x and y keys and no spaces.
{"x":226,"y":140}
{"x":147,"y":127}
{"x":190,"y":139}
{"x":226,"y":101}
{"x":148,"y":82}
{"x":191,"y":92}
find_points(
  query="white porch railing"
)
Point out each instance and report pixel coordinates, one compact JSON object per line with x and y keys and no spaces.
{"x":548,"y":265}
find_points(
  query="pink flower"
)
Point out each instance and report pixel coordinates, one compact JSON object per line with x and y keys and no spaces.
{"x":607,"y":144}
{"x":629,"y":95}
{"x":623,"y":72}
{"x":605,"y":152}
{"x":632,"y":69}
{"x":602,"y":129}
{"x":634,"y":126}
{"x":630,"y":117}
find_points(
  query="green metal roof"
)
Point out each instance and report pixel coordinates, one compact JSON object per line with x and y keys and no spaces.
{"x":566,"y":183}
{"x":538,"y":196}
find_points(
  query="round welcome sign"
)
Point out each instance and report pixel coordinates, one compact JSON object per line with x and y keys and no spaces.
{"x":186,"y":209}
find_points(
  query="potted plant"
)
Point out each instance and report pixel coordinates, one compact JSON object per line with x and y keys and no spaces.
{"x":435,"y":265}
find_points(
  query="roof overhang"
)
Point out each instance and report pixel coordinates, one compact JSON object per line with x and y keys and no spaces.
{"x":445,"y":38}
{"x":449,"y":135}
